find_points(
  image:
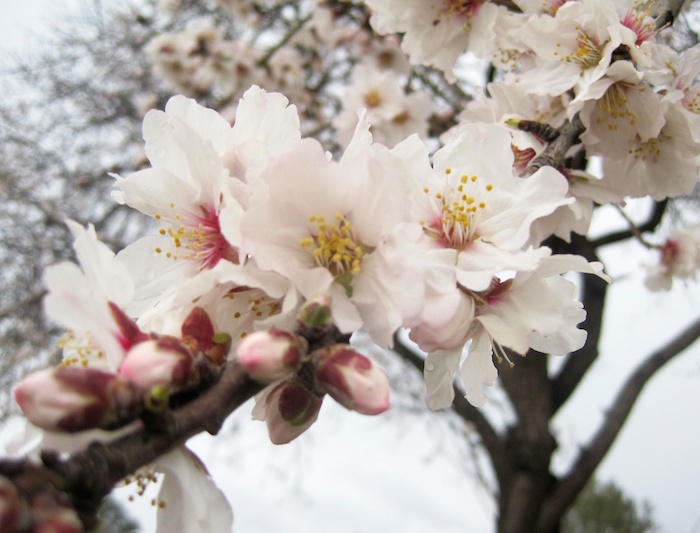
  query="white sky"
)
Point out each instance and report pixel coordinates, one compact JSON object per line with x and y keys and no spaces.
{"x":354,"y":474}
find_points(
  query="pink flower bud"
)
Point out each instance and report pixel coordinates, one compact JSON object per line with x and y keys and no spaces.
{"x":162,"y":362}
{"x":271,"y":355}
{"x":352,"y":379}
{"x":71,"y":399}
{"x":290,"y":409}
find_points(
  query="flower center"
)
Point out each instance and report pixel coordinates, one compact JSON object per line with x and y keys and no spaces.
{"x":373,"y":99}
{"x":639,"y":20}
{"x":198,"y":238}
{"x":649,"y":151}
{"x":248,"y":305}
{"x":458,"y":212}
{"x":461,"y":8}
{"x":335,"y":246}
{"x":691,"y":101}
{"x":587,"y":55}
{"x":615,"y":104}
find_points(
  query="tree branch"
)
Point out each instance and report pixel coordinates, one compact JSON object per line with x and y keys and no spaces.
{"x":590,"y":457}
{"x":650,"y":225}
{"x":556,"y":150}
{"x":89,"y":475}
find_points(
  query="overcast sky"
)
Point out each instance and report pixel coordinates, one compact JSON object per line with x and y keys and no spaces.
{"x":357,"y":474}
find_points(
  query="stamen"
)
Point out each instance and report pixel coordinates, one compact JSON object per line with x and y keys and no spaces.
{"x":335,"y":246}
{"x":457,"y":212}
{"x":199,"y":239}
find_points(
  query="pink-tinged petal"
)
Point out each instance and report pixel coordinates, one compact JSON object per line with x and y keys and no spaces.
{"x":439,"y":372}
{"x":268,"y":118}
{"x":173,"y":146}
{"x":206,"y":123}
{"x":464,"y":155}
{"x":189,"y":500}
{"x":73,"y":303}
{"x":444,"y":323}
{"x":478,"y":371}
{"x":102,"y":270}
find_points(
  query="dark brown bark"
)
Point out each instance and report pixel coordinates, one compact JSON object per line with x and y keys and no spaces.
{"x":529,"y":444}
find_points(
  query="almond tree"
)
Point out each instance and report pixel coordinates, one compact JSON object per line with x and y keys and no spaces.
{"x":286,"y":223}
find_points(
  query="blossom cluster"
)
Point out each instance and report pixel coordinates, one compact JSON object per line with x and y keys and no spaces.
{"x":600,"y":60}
{"x":255,"y":220}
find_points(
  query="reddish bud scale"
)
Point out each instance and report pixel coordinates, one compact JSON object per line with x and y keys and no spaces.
{"x":182,"y":368}
{"x":198,"y":328}
{"x":130,"y":334}
{"x":297,"y":406}
{"x":91,"y":383}
{"x":198,"y":333}
{"x":290,"y":409}
{"x":117,"y":401}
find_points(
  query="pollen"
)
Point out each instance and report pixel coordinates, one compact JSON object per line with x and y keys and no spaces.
{"x":587,"y":55}
{"x":461,"y":8}
{"x":457,"y":212}
{"x":198,"y":238}
{"x":335,"y":246}
{"x":141,"y":481}
{"x":373,"y":99}
{"x":79,"y":350}
{"x":650,"y":151}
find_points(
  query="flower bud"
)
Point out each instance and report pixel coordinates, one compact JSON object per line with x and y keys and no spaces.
{"x":271,"y":355}
{"x":352,"y":379}
{"x":72,"y":399}
{"x":314,"y":318}
{"x":162,"y":362}
{"x":290,"y":409}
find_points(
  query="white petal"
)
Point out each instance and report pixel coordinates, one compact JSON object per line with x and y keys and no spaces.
{"x":193,"y":503}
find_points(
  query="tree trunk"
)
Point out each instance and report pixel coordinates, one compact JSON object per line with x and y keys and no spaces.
{"x":529,"y":446}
